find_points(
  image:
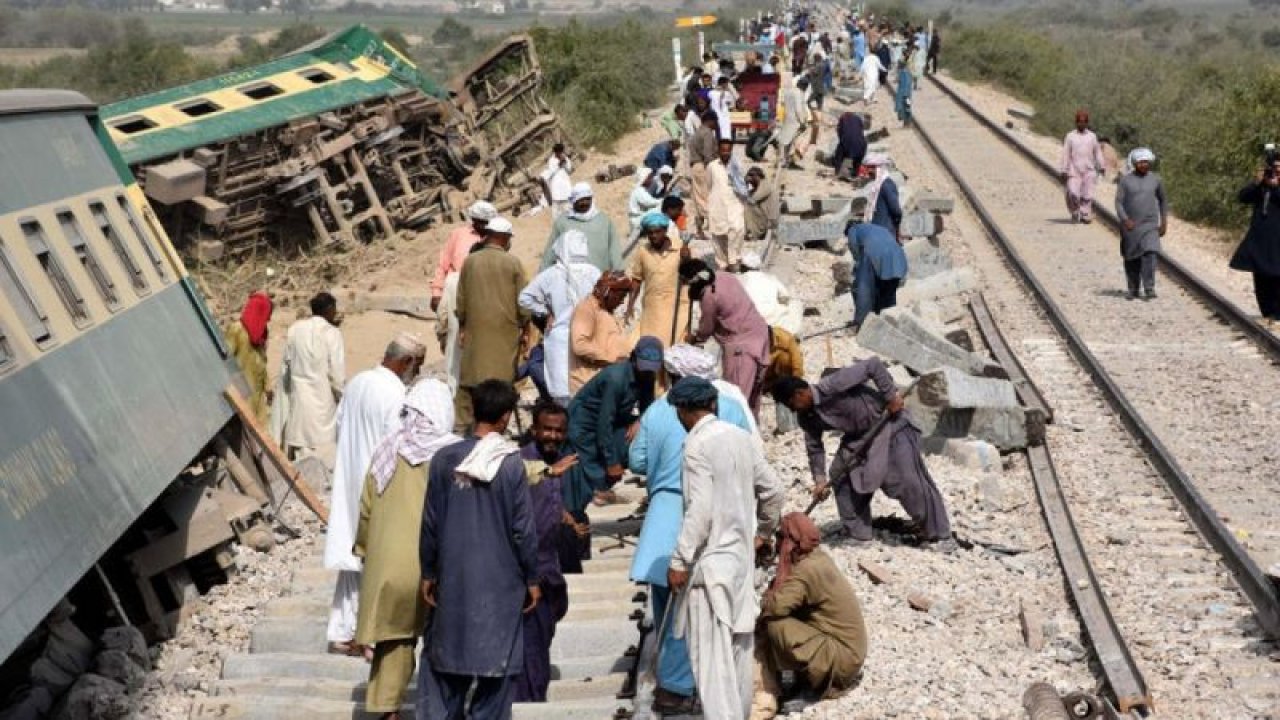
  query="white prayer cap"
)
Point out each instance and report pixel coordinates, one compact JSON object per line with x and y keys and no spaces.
{"x":580,"y":190}
{"x":1140,"y":154}
{"x":752,"y":261}
{"x":689,"y":361}
{"x":666,"y":170}
{"x":481,"y":210}
{"x":499,"y":225}
{"x":410,"y":342}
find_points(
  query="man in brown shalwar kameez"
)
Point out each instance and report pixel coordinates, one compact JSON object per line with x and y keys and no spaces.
{"x":489,"y":314}
{"x":844,"y":402}
{"x":810,"y":620}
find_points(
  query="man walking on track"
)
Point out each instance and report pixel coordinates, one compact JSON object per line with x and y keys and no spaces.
{"x":1143,"y":214}
{"x":1081,"y":162}
{"x":479,"y":557}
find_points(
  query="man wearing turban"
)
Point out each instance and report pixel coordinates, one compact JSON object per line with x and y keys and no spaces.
{"x":604,"y":247}
{"x":1081,"y":164}
{"x":654,"y":269}
{"x":1143,"y":213}
{"x":810,"y":619}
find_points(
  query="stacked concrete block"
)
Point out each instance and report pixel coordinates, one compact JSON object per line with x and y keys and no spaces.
{"x":949,"y":403}
{"x":926,"y":257}
{"x":941,"y":285}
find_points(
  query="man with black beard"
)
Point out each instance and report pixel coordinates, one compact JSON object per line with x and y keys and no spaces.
{"x":545,"y":463}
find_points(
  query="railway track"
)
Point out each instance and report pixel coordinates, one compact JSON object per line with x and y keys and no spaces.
{"x":1186,"y":448}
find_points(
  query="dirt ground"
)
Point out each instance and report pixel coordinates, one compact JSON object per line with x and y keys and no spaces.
{"x":407,"y":268}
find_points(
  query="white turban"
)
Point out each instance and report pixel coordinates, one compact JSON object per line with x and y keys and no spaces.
{"x":689,"y":361}
{"x":1140,"y":154}
{"x":580,"y":190}
{"x":481,"y":210}
{"x":665,"y":170}
{"x":752,"y":261}
{"x":499,"y":225}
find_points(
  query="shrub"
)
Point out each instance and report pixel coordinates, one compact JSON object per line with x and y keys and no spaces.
{"x":1206,"y":115}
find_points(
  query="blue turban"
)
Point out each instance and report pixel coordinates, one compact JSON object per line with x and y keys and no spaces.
{"x":654,"y":219}
{"x":692,"y":392}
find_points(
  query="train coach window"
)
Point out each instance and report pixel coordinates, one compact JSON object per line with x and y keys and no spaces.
{"x":199,"y":108}
{"x":29,"y":313}
{"x":62,"y":285}
{"x":153,"y":254}
{"x":89,"y":261}
{"x":131,"y":268}
{"x":132,"y":124}
{"x":261,"y":91}
{"x":316,"y":76}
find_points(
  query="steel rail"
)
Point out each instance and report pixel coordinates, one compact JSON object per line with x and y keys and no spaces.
{"x":1256,"y":585}
{"x":1175,"y":270}
{"x":1124,"y":678}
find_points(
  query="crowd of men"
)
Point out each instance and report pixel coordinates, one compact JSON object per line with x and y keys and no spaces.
{"x":453,"y":527}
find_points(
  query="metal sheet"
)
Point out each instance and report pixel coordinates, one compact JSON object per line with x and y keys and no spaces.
{"x":89,"y":437}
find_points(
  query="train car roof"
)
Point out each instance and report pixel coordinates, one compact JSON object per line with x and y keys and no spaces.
{"x":356,"y":65}
{"x":26,"y":101}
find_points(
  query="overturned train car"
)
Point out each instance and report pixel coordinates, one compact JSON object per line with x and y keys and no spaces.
{"x":342,"y":141}
{"x":115,"y":424}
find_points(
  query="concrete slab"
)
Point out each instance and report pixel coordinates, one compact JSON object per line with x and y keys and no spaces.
{"x":824,"y":229}
{"x":953,"y":282}
{"x":295,"y":665}
{"x":589,"y":667}
{"x":949,"y":387}
{"x":594,"y":638}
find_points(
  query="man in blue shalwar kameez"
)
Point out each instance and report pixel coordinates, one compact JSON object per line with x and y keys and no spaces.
{"x":657,"y":452}
{"x":879,"y":265}
{"x":479,"y":556}
{"x":603,"y":417}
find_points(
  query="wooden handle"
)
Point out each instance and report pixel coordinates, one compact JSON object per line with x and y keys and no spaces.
{"x":275,"y":454}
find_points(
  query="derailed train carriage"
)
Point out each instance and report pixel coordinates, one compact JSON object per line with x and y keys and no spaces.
{"x":113,"y":413}
{"x":342,"y":141}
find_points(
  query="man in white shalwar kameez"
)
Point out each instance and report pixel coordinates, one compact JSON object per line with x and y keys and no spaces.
{"x":310,"y":383}
{"x":871,"y":69}
{"x":733,"y":503}
{"x":554,"y":293}
{"x":370,"y":411}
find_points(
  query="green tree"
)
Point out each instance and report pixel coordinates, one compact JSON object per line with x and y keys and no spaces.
{"x":452,"y":33}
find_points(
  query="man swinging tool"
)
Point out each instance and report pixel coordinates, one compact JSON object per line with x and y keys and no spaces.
{"x":843,"y":401}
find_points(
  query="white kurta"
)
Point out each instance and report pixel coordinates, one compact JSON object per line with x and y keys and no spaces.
{"x":449,"y":331}
{"x":733,"y":392}
{"x":725,"y":214}
{"x":773,"y":300}
{"x":722,"y":102}
{"x":370,"y":411}
{"x":871,"y":69}
{"x":556,"y":291}
{"x":556,"y":175}
{"x":312,"y":374}
{"x":731,"y":494}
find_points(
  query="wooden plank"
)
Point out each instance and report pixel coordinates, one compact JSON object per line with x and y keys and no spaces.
{"x":275,"y":454}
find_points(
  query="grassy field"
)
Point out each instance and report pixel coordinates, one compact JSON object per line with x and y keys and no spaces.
{"x":417,"y":23}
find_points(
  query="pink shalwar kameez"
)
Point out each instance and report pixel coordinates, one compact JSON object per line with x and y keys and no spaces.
{"x":728,"y":314}
{"x":1081,"y":161}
